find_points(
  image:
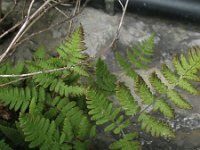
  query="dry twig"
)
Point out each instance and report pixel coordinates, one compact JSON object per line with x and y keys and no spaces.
{"x":124,"y":8}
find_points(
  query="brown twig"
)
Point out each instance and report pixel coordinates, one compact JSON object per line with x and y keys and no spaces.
{"x":124,"y":8}
{"x":29,"y":19}
{"x":52,"y":26}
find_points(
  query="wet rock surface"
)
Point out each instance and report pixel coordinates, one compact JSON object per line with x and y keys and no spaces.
{"x":170,"y":37}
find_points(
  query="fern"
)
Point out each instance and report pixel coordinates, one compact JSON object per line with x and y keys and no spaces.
{"x":176,"y":98}
{"x":12,"y":133}
{"x":61,"y":110}
{"x":148,"y":98}
{"x":127,"y":101}
{"x":138,"y":57}
{"x":71,"y":50}
{"x":126,"y":143}
{"x":10,"y":69}
{"x":103,"y":112}
{"x":156,"y":128}
{"x":105,"y":81}
{"x":20,"y":98}
{"x":40,"y":132}
{"x":4,"y":146}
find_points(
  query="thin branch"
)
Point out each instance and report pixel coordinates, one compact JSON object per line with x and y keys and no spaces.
{"x":13,"y":81}
{"x":36,"y":73}
{"x":24,"y":26}
{"x":52,"y":26}
{"x":124,"y":8}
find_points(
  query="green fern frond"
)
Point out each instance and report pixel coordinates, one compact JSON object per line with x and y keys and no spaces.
{"x":155,"y":127}
{"x":8,"y":68}
{"x":4,"y":146}
{"x":174,"y":96}
{"x":104,"y":79}
{"x":181,"y":82}
{"x":58,"y":85}
{"x":127,"y":143}
{"x":143,"y":91}
{"x":164,"y":108}
{"x":103,"y":112}
{"x":19,"y":98}
{"x":126,"y":66}
{"x":138,"y":57}
{"x":71,"y":50}
{"x":187,"y":67}
{"x":128,"y":103}
{"x":12,"y":134}
{"x":40,"y":132}
{"x":148,"y":98}
{"x":74,"y":119}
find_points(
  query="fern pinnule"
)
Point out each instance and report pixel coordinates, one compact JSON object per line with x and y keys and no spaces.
{"x":155,"y":127}
{"x":127,"y":101}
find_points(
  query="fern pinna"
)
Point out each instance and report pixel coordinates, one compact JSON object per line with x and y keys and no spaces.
{"x":60,"y":109}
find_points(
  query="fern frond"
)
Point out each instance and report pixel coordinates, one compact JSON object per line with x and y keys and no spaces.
{"x":128,"y":103}
{"x":148,"y":98}
{"x":181,"y":82}
{"x":103,"y":112}
{"x":75,"y":122}
{"x":164,"y":108}
{"x":104,"y":79}
{"x":174,"y":96}
{"x":138,"y":57}
{"x":126,"y":143}
{"x":126,"y":66}
{"x":71,"y":50}
{"x":155,"y":127}
{"x":8,"y":68}
{"x":4,"y":146}
{"x":12,"y":134}
{"x":40,"y":132}
{"x":187,"y":67}
{"x":143,"y":91}
{"x":19,"y":98}
{"x":58,"y":85}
